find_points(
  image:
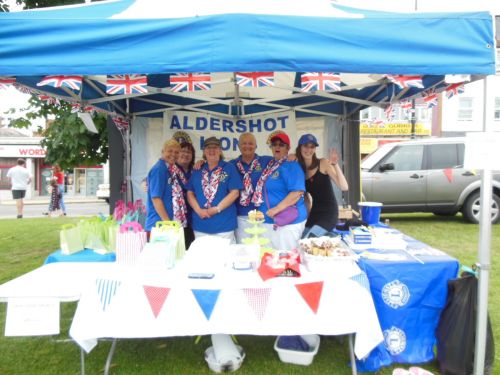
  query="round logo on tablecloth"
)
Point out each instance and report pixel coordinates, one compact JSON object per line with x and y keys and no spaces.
{"x":395,"y":340}
{"x":395,"y":294}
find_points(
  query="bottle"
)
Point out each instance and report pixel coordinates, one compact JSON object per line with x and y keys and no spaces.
{"x":386,"y":222}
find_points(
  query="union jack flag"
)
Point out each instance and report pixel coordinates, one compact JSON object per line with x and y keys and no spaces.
{"x":48,"y":99}
{"x":120,"y":122}
{"x":190,"y":82}
{"x":390,"y":112}
{"x":430,"y":98}
{"x":320,"y":81}
{"x":256,"y":79}
{"x":75,"y":107}
{"x":126,"y":84}
{"x":455,"y":89}
{"x":72,"y":82}
{"x":23,"y":89}
{"x":406,"y":106}
{"x":406,"y":81}
{"x":6,"y":82}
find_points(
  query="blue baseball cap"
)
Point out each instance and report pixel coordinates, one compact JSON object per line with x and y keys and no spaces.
{"x":308,"y":138}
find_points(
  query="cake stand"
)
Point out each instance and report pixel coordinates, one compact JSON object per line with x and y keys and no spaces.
{"x":256,"y":230}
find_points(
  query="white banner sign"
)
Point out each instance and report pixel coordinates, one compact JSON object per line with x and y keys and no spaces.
{"x":196,"y":127}
{"x":22,"y":151}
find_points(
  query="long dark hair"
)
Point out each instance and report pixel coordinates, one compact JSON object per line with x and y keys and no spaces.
{"x":300,"y":159}
{"x":190,"y":147}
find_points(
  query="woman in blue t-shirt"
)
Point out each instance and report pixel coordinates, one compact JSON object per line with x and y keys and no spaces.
{"x":212,"y":191}
{"x":281,"y":185}
{"x":165,"y":182}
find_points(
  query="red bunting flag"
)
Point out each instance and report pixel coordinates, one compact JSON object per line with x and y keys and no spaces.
{"x":156,"y":297}
{"x":257,"y":299}
{"x":311,"y":292}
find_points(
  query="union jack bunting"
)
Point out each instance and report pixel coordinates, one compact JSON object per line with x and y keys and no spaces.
{"x":72,"y":82}
{"x":23,"y":89}
{"x":406,"y":105}
{"x":255,"y":79}
{"x":406,"y":81}
{"x":390,"y":112}
{"x":190,"y":82}
{"x":48,"y":99}
{"x":120,"y":122}
{"x":126,"y":84}
{"x":431,"y":99}
{"x":455,"y":89}
{"x":6,"y":82}
{"x":75,"y":107}
{"x":320,"y":82}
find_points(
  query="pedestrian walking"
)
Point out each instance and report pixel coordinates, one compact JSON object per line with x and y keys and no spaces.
{"x":19,"y":178}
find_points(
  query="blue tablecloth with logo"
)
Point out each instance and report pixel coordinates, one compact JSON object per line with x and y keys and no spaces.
{"x":409,"y":296}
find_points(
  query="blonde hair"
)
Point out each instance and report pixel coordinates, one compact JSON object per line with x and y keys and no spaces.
{"x":247,"y":134}
{"x":170,"y":143}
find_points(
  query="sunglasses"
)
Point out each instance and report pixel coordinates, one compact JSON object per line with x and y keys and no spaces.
{"x":278,"y":144}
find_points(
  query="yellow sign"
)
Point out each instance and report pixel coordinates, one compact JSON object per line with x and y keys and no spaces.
{"x":393,"y":129}
{"x":367,"y":145}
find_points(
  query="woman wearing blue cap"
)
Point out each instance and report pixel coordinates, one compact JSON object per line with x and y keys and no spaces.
{"x":319,"y":172}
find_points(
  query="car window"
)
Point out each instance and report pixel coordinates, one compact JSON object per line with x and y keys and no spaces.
{"x":446,"y":155}
{"x":406,"y":158}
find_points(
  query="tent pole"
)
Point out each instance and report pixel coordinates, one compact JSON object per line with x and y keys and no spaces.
{"x":484,"y":257}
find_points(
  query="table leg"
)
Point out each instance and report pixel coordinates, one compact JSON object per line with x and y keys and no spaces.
{"x":82,"y":361}
{"x":110,"y":356}
{"x":351,"y":352}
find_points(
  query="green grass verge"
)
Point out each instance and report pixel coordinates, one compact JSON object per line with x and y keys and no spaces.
{"x":24,"y":245}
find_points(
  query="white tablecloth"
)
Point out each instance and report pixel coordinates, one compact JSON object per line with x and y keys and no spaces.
{"x":127,"y":302}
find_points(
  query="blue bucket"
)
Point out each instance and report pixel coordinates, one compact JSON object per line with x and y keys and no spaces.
{"x":370,"y":212}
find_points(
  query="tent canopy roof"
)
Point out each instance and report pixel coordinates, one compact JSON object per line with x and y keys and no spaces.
{"x":217,"y":36}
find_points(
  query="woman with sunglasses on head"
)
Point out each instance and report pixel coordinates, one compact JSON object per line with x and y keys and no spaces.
{"x":319,"y":174}
{"x":281,"y":185}
{"x":212,"y":191}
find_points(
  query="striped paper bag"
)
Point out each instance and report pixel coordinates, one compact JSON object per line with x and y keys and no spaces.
{"x":130,"y":241}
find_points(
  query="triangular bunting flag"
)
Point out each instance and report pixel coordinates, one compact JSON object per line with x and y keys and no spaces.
{"x":257,"y":299}
{"x":206,"y":298}
{"x":448,"y":172}
{"x":311,"y":292}
{"x":106,"y":289}
{"x":156,"y":296}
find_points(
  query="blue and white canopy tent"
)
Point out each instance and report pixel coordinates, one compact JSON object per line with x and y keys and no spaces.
{"x":162,"y":38}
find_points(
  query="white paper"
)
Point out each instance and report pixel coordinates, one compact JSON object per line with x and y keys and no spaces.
{"x":482,"y":151}
{"x":32,"y":317}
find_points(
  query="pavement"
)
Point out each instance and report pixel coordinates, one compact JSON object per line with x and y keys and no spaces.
{"x":34,"y":208}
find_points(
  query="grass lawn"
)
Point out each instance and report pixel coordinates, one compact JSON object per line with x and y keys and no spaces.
{"x":24,"y":245}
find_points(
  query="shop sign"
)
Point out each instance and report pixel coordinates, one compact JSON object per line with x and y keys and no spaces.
{"x":368,"y":145}
{"x":22,"y":151}
{"x":393,"y":129}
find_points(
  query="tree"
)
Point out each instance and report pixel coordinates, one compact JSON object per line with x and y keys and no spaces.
{"x":66,"y":139}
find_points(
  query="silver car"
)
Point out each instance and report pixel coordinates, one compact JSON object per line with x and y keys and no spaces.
{"x":426,"y":176}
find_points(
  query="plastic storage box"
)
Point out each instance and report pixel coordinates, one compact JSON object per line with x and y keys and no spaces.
{"x":299,"y":357}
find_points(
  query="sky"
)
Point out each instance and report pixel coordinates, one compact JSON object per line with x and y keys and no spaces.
{"x":11,"y":98}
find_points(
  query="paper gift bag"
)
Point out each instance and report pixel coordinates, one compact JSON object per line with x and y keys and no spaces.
{"x":159,"y":253}
{"x":70,"y":239}
{"x":130,"y":241}
{"x":173,"y":231}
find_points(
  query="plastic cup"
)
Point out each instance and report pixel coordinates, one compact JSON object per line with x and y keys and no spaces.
{"x":370,"y":212}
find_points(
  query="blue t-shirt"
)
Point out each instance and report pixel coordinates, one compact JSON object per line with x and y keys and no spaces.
{"x":287,"y":178}
{"x":159,"y":186}
{"x":225,"y":221}
{"x":257,"y":172}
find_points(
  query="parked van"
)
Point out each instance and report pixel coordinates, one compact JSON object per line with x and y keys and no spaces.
{"x":426,"y":175}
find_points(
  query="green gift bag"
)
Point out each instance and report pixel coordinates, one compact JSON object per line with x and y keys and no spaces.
{"x":173,"y":231}
{"x":70,"y":239}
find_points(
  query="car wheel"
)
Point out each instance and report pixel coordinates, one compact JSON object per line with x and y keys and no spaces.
{"x":473,"y":204}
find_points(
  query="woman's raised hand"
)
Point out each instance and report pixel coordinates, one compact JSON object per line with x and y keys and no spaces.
{"x":334,"y":156}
